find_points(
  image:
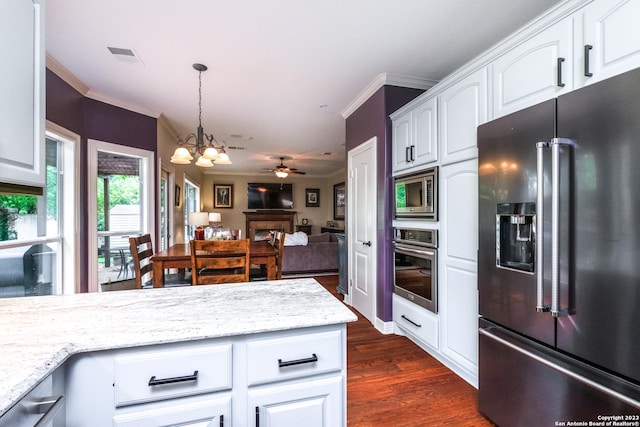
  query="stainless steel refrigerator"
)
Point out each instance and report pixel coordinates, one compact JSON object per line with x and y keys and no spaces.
{"x":559,"y":259}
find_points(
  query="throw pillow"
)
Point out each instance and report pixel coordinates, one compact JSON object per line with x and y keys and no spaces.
{"x":299,"y":238}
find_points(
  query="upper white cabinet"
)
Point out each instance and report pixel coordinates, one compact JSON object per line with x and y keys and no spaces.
{"x":463,"y":107}
{"x":22,"y":78}
{"x":415,"y":136}
{"x":536,"y":70}
{"x":610,"y":40}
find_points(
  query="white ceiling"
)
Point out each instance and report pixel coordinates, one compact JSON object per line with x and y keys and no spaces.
{"x":281,"y":72}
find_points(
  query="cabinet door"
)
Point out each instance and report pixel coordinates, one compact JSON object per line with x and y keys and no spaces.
{"x":534,"y":71}
{"x":463,"y":107}
{"x":610,"y":42}
{"x":458,"y":266}
{"x":201,"y":412}
{"x":318,"y":403}
{"x":22,"y":89}
{"x":401,"y":142}
{"x":424,"y":126}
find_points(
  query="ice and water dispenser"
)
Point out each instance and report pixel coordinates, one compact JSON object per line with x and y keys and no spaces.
{"x":516,"y":236}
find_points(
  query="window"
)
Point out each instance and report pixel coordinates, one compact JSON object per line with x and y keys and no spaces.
{"x":37,"y":247}
{"x":191,"y":204}
{"x":122,"y":188}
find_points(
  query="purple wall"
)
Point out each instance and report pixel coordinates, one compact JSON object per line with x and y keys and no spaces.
{"x":93,"y":119}
{"x":369,"y":120}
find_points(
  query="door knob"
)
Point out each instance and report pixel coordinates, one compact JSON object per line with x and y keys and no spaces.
{"x":367,"y":243}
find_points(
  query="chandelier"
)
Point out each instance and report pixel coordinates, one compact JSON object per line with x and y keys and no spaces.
{"x":201,"y":145}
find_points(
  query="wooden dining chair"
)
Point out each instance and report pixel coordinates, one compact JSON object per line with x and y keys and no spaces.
{"x":219,"y":261}
{"x":277,"y":241}
{"x":141,"y":248}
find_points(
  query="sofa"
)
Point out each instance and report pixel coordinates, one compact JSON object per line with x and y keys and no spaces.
{"x":319,"y":255}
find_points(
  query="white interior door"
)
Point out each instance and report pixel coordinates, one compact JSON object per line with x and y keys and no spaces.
{"x":361,"y":197}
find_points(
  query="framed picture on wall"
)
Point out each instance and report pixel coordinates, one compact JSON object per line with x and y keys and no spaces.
{"x":339,"y":201}
{"x":312,"y":198}
{"x":223,"y":195}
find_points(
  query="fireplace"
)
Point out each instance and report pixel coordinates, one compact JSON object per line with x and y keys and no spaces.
{"x":258,"y":224}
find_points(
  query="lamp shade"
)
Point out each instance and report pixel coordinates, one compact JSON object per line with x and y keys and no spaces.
{"x":204,"y":162}
{"x":214,"y":217}
{"x":198,"y":218}
{"x":181,"y":156}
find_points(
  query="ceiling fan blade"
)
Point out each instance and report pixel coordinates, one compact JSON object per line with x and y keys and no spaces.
{"x":298,"y":172}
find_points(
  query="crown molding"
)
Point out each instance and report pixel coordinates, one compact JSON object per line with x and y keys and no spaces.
{"x":59,"y":70}
{"x":166,"y":125}
{"x":388,"y":80}
{"x":121,"y":104}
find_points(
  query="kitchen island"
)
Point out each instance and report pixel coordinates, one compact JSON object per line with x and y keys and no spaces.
{"x":42,"y":334}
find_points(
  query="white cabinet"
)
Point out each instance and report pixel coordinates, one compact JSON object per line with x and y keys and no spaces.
{"x":416,"y":322}
{"x":415,"y":135}
{"x":282,"y":377}
{"x":609,"y":43}
{"x":463,"y":107}
{"x":43,"y":406}
{"x":315,"y":403}
{"x":538,"y":69}
{"x":195,"y":412}
{"x":22,"y":78}
{"x":458,"y":267}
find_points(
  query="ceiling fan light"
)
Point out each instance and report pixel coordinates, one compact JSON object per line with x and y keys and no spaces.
{"x":210,"y":153}
{"x":281,"y":174}
{"x":204,"y":163}
{"x":181,"y":156}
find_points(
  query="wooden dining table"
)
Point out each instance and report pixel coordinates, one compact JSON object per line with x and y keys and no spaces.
{"x":179,"y":256}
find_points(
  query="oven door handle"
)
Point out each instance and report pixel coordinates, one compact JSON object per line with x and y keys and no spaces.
{"x":412,"y":251}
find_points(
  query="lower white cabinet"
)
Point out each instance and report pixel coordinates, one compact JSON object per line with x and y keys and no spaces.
{"x":416,"y":322}
{"x":314,"y":403}
{"x":43,"y":406}
{"x":284,"y":377}
{"x":207,"y":411}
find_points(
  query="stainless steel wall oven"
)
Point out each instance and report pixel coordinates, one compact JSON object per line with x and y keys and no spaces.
{"x":416,"y":266}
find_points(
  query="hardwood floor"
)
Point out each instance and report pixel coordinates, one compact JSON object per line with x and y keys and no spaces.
{"x":392,"y":382}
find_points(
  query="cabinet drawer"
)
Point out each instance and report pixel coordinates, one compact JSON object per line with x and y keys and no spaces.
{"x":296,"y":356}
{"x":415,"y":320}
{"x":156,"y":374}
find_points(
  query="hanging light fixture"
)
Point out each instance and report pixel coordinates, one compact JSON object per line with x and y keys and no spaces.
{"x":202,"y":145}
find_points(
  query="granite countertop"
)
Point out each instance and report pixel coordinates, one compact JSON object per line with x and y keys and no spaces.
{"x":39,"y":333}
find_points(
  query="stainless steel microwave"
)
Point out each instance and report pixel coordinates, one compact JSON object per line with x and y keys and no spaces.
{"x":416,"y":195}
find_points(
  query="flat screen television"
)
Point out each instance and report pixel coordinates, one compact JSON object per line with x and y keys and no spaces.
{"x":269,"y":196}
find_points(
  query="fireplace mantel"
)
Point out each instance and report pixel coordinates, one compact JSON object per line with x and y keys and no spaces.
{"x":268,"y":220}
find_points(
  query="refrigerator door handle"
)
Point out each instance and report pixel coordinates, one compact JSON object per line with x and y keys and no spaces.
{"x":539,"y":247}
{"x":555,"y":225}
{"x":603,"y":389}
{"x":556,"y":310}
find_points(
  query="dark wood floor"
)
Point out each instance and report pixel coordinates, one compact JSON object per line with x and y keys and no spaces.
{"x":392,"y":382}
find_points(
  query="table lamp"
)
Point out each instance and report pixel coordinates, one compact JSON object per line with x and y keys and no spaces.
{"x":197,"y":220}
{"x":214,"y":223}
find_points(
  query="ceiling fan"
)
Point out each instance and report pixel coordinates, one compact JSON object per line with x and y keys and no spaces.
{"x":282,"y":171}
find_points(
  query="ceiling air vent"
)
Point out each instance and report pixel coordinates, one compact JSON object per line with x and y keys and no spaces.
{"x":125,"y":55}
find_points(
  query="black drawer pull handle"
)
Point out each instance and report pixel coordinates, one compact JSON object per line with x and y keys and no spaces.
{"x":311,"y":359}
{"x":587,"y":49}
{"x":560,"y":61}
{"x":411,"y":321}
{"x":153,"y":381}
